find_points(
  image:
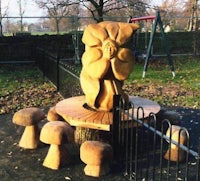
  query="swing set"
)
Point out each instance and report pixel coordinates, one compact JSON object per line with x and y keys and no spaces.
{"x":156,"y":21}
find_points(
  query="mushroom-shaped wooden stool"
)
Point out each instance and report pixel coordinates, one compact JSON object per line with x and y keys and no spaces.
{"x":52,"y":115}
{"x":177,"y":154}
{"x":56,"y":133}
{"x":29,"y":117}
{"x":98,"y":157}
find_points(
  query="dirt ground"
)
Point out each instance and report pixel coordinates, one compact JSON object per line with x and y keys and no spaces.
{"x":19,"y":164}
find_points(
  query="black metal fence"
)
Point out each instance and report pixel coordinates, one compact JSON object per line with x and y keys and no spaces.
{"x":60,"y":72}
{"x":140,"y":145}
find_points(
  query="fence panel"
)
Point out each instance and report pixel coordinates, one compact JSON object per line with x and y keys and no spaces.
{"x":60,"y":73}
{"x":69,"y":84}
{"x":142,"y":146}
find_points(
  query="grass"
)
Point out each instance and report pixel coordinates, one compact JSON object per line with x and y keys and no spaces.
{"x":13,"y":78}
{"x":24,"y":86}
{"x":183,"y":90}
{"x":186,"y":73}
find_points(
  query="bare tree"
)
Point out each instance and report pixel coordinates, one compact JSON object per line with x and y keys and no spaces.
{"x":169,"y":11}
{"x":2,"y":15}
{"x":175,"y":8}
{"x":99,"y":8}
{"x":192,"y":8}
{"x":57,"y":9}
{"x":135,"y":7}
{"x":22,"y":6}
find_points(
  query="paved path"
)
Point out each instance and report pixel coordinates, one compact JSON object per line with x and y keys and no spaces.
{"x":190,"y":119}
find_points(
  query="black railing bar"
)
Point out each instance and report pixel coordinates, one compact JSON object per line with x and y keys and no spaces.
{"x":39,"y":48}
{"x":53,"y":57}
{"x":123,"y":135}
{"x":198,"y":166}
{"x":154,"y":143}
{"x":131,"y":148}
{"x":147,"y":155}
{"x":65,"y":59}
{"x":71,"y":68}
{"x":140,"y":110}
{"x":74,"y":75}
{"x":192,"y":152}
{"x":187,"y":155}
{"x":126,"y":145}
{"x":16,"y":62}
{"x":169,"y":145}
{"x":47,"y":53}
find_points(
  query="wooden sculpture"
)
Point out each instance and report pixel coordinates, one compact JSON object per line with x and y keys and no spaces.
{"x":107,"y":62}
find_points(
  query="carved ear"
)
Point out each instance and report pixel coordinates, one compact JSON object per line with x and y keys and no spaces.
{"x":125,"y":31}
{"x":91,"y":55}
{"x":94,"y":63}
{"x":122,"y":65}
{"x":112,"y":29}
{"x":94,"y":35}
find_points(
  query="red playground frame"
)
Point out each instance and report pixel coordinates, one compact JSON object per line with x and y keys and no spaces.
{"x":157,"y":21}
{"x":133,"y":20}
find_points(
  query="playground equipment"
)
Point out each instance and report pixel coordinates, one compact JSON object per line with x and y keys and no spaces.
{"x":157,"y":21}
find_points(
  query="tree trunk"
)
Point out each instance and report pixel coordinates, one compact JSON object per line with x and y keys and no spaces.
{"x":57,"y":26}
{"x":21,"y":24}
{"x":85,"y":134}
{"x":192,"y":24}
{"x":1,"y":28}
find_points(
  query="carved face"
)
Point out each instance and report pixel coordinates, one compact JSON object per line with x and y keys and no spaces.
{"x":109,"y":49}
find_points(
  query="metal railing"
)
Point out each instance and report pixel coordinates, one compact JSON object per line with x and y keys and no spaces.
{"x":141,"y":145}
{"x":60,"y":73}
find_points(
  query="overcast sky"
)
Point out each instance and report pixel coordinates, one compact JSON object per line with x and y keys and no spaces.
{"x":31,"y":8}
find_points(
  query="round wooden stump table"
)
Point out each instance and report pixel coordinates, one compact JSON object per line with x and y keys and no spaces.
{"x":75,"y":114}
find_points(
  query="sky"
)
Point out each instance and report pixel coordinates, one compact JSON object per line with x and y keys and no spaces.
{"x":13,"y":10}
{"x":32,"y":8}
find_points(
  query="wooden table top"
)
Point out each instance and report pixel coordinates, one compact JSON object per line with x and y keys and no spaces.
{"x":75,"y":114}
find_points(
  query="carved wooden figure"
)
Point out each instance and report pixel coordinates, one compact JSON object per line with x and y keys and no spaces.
{"x":106,"y":62}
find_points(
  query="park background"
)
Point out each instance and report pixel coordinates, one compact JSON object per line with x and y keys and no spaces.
{"x":49,"y":33}
{"x":31,"y":38}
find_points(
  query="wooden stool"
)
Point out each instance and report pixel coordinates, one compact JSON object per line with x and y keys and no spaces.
{"x":53,"y":116}
{"x":29,"y":117}
{"x":177,"y":154}
{"x":98,"y":157}
{"x":56,"y":133}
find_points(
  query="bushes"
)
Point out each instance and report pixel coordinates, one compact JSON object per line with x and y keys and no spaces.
{"x":22,"y":47}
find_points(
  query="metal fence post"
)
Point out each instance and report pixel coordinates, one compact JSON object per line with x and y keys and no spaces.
{"x":115,"y":126}
{"x":57,"y":71}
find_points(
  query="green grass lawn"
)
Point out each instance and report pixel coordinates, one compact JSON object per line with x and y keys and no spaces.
{"x":187,"y":73}
{"x":159,"y":84}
